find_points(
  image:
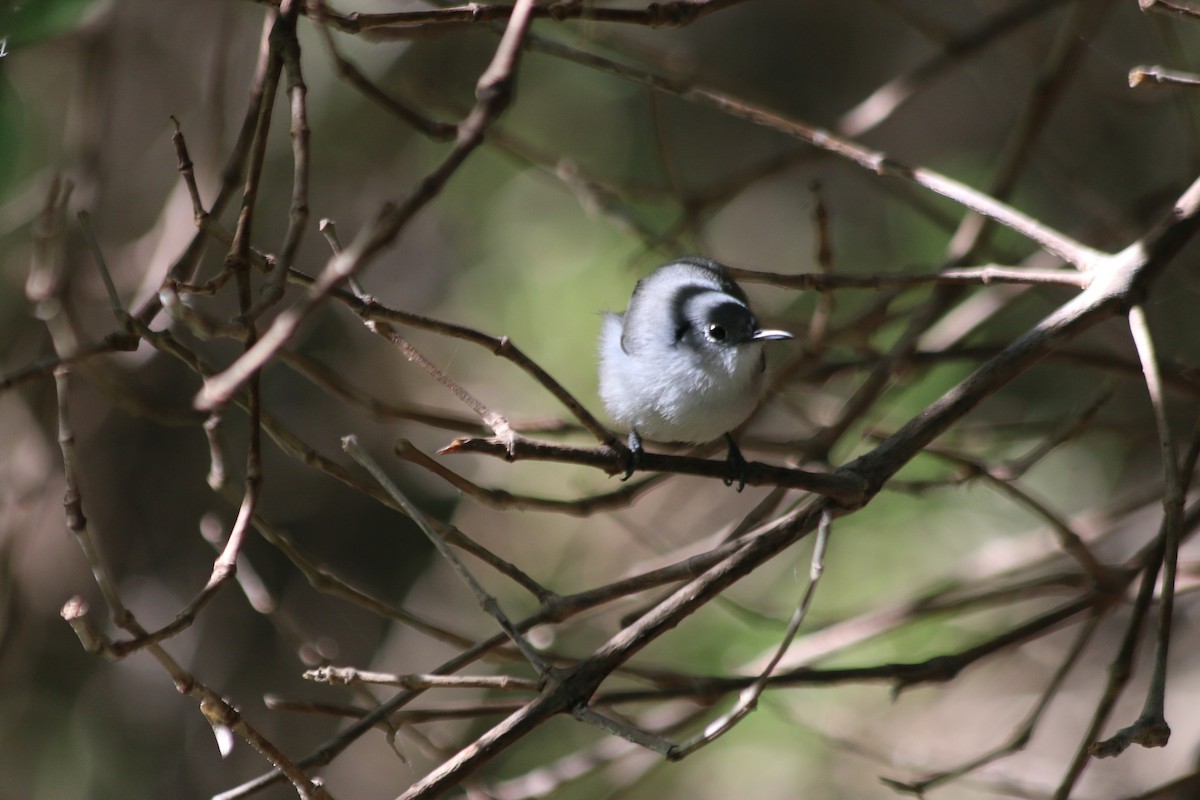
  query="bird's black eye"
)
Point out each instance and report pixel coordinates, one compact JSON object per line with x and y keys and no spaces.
{"x":716,"y":332}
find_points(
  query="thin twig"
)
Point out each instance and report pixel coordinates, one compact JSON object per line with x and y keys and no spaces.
{"x":841,"y":486}
{"x":215,"y":709}
{"x":283,"y":38}
{"x":818,"y":326}
{"x":1150,"y":729}
{"x":344,"y":676}
{"x":402,"y":24}
{"x":486,"y":601}
{"x":874,"y":161}
{"x":969,"y":276}
{"x":500,"y":498}
{"x":748,"y":699}
{"x":1147,"y":75}
{"x":1024,"y":732}
{"x":493,"y":93}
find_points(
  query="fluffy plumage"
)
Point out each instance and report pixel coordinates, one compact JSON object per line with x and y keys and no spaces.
{"x":684,"y":363}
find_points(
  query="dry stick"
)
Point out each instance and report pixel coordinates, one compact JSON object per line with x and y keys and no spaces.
{"x":284,"y":41}
{"x":567,"y":606}
{"x":874,"y":161}
{"x":486,"y":601}
{"x":1127,"y":273}
{"x":44,"y":368}
{"x":238,"y":261}
{"x":187,"y":171}
{"x":326,"y":582}
{"x":569,"y":688}
{"x":1123,"y":274}
{"x":291,"y":444}
{"x":674,"y":14}
{"x":884,"y":101}
{"x":503,"y":499}
{"x":261,"y":600}
{"x":89,"y":236}
{"x":225,"y":565}
{"x":560,"y":609}
{"x":330,"y":382}
{"x":1150,"y":729}
{"x":1023,"y":734}
{"x":818,"y":326}
{"x":494,"y":420}
{"x":215,"y":709}
{"x":239,"y":249}
{"x":186,"y":264}
{"x":845,"y":487}
{"x":1149,"y":561}
{"x":493,"y":93}
{"x":1017,"y":467}
{"x":349,"y":72}
{"x":1119,"y":672}
{"x":1059,"y":66}
{"x":254,"y":589}
{"x":902,"y":675}
{"x":988,"y":588}
{"x":202,"y":326}
{"x":748,"y":700}
{"x":573,"y":685}
{"x":73,"y":506}
{"x":500,"y":346}
{"x":45,"y":280}
{"x":336,"y":385}
{"x":1178,"y":380}
{"x":1146,"y":75}
{"x":1171,"y":7}
{"x":1070,"y":541}
{"x":345,"y":676}
{"x":405,"y":717}
{"x":1121,"y":278}
{"x":966,"y":276}
{"x":328,"y":229}
{"x":319,"y":578}
{"x":970,"y":233}
{"x":550,"y":779}
{"x":650,"y":741}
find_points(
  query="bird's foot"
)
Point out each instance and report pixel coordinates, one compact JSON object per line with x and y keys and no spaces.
{"x":737,"y":465}
{"x":635,"y":455}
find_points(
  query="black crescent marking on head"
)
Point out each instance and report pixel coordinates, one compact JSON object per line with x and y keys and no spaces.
{"x":679,"y":304}
{"x":718,"y":272}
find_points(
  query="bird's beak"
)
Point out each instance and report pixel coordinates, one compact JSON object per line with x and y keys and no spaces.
{"x":768,"y":336}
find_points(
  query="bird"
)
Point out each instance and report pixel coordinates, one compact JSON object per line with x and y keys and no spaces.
{"x":685,"y":362}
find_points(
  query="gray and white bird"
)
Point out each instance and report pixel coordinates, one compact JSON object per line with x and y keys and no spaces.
{"x":685,"y":362}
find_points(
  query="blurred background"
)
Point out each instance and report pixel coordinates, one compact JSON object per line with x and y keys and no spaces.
{"x":587,"y":182}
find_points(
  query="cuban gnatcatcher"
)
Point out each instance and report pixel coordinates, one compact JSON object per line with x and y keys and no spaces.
{"x":685,"y":362}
